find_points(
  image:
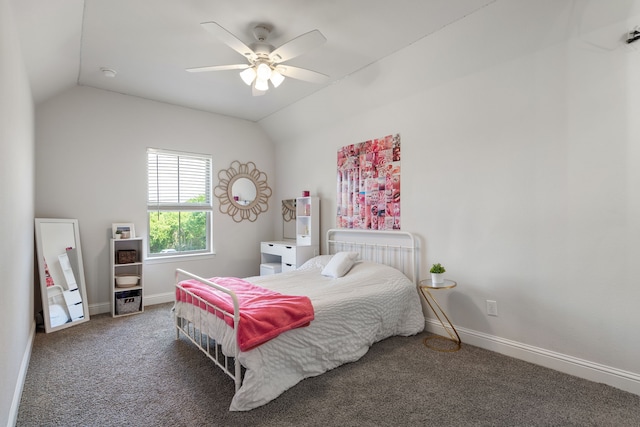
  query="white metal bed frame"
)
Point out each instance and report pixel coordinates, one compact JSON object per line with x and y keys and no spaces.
{"x":193,"y":329}
{"x":398,"y":249}
{"x":395,"y":248}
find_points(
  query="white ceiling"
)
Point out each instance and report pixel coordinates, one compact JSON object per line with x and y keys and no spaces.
{"x":151,"y":42}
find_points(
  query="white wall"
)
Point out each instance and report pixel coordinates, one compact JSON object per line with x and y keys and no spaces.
{"x":17,"y":325}
{"x":519,"y":173}
{"x":91,"y":165}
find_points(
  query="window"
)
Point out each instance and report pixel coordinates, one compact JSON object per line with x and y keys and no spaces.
{"x":179,"y":204}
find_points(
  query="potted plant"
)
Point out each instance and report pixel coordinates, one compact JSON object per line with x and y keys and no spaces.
{"x":118,"y":234}
{"x":437,"y":274}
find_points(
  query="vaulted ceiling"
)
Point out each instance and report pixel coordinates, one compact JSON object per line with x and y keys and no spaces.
{"x":150,"y":43}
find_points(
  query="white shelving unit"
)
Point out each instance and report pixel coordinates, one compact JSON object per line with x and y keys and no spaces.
{"x":283,"y":256}
{"x":308,"y":221}
{"x":126,"y":260}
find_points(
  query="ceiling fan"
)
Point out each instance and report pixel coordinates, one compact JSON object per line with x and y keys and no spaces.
{"x":265,"y":61}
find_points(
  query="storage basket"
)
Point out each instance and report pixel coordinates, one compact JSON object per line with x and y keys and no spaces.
{"x":127,"y":256}
{"x":128,"y":302}
{"x":127,"y":280}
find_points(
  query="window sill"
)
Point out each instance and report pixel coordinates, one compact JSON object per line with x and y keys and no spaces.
{"x":179,"y":258}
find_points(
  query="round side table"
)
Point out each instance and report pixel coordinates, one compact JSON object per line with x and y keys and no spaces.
{"x":426,"y":287}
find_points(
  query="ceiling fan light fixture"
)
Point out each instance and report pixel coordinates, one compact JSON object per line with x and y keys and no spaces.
{"x":263,"y":71}
{"x":265,"y":61}
{"x":248,"y":75}
{"x":262,"y":84}
{"x":276,"y":78}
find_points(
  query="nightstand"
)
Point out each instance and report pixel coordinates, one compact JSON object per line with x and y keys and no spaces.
{"x":426,"y":287}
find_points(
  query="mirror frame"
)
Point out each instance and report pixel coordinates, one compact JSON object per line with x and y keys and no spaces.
{"x":80,"y":280}
{"x":224,"y":191}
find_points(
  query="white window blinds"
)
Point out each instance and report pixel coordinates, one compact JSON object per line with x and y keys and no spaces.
{"x":178,"y":180}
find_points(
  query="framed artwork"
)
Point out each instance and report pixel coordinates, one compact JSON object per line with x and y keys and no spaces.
{"x":123,"y":230}
{"x":368,"y":187}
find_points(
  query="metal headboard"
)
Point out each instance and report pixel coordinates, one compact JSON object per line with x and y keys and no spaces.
{"x":397,"y":249}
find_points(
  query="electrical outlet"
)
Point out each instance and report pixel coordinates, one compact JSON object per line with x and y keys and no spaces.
{"x":492,"y":308}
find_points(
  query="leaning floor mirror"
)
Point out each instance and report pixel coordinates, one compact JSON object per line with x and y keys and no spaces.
{"x":64,"y":295}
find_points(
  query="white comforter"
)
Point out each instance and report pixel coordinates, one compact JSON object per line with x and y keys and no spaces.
{"x":371,"y":303}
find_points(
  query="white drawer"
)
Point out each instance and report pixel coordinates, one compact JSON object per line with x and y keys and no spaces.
{"x":271,"y":248}
{"x":289,"y":255}
{"x":288,"y":267}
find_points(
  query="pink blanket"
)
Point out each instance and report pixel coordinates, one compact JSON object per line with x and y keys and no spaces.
{"x":264,"y":314}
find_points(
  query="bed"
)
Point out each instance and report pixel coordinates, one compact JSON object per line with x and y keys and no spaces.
{"x":374,"y":299}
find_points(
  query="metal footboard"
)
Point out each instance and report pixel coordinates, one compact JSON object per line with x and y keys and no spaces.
{"x":196,"y":329}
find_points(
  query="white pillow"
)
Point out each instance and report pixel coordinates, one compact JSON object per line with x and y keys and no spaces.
{"x":318,"y":262}
{"x":340,"y":264}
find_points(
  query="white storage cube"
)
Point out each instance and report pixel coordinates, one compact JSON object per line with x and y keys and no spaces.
{"x":270,"y":268}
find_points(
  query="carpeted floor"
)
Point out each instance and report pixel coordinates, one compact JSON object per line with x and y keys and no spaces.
{"x":132,"y":371}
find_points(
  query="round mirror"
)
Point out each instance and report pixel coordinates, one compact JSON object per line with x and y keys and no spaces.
{"x":243,"y":191}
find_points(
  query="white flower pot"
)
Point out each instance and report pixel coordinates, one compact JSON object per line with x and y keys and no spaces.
{"x":437,"y":278}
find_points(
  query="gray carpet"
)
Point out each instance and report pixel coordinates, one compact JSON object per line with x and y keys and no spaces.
{"x":131,"y":371}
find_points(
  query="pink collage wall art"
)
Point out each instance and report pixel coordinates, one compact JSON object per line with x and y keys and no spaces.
{"x":368,"y":192}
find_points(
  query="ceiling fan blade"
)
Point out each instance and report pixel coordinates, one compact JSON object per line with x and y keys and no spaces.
{"x":229,"y":39}
{"x":218,"y":68}
{"x":302,"y":74}
{"x":297,"y":46}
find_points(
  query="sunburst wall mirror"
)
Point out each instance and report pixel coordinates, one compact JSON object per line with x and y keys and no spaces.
{"x":243,"y":191}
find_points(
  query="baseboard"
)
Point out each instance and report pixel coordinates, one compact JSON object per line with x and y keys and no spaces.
{"x":159,"y":298}
{"x":105,"y":307}
{"x":624,"y":380}
{"x":100,"y":308}
{"x":22,"y":377}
